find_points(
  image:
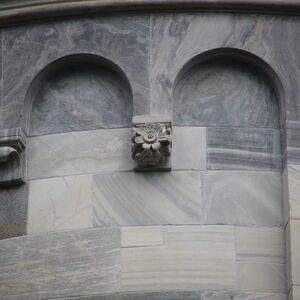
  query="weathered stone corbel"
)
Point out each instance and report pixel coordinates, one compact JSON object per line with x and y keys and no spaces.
{"x":152,"y":143}
{"x":12,"y":156}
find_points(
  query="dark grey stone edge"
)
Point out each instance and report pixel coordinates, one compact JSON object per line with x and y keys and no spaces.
{"x":16,"y":11}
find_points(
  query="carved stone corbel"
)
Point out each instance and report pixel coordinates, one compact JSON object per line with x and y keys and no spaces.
{"x":152,"y":143}
{"x":12,"y":156}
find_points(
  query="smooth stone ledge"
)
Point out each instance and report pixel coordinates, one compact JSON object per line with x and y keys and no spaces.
{"x":12,"y":12}
{"x":182,"y":295}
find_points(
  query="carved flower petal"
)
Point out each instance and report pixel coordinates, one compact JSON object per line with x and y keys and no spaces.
{"x":139,"y":131}
{"x":164,"y":138}
{"x":159,"y":127}
{"x":156,"y":145}
{"x":146,"y":146}
{"x":139,"y":140}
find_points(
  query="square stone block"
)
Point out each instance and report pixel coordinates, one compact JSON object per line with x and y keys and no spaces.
{"x":243,"y":198}
{"x":260,"y":244}
{"x":261,"y":277}
{"x":152,"y":198}
{"x":183,"y":261}
{"x":60,"y":203}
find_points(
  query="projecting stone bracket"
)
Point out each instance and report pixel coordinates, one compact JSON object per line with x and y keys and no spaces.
{"x":12,"y":156}
{"x":152,"y":143}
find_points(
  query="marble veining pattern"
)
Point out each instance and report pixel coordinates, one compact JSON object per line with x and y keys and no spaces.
{"x":60,"y":264}
{"x":80,"y":97}
{"x":188,"y":255}
{"x":79,"y":152}
{"x":29,"y":48}
{"x":242,"y":198}
{"x":174,"y":44}
{"x":244,"y":149}
{"x":224,"y":92}
{"x":126,"y":199}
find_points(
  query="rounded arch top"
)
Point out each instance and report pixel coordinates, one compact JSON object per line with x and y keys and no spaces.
{"x":78,"y":92}
{"x":228,"y":87}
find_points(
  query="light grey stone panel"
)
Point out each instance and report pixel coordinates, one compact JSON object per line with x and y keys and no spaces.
{"x":285,"y":195}
{"x":60,"y":264}
{"x":127,"y":198}
{"x":293,"y":142}
{"x":29,"y":48}
{"x":243,"y":149}
{"x":13,"y":211}
{"x":241,"y":296}
{"x":261,"y":277}
{"x":192,"y":257}
{"x":242,"y":198}
{"x":181,"y":295}
{"x":60,"y":203}
{"x":189,"y":148}
{"x":169,"y":295}
{"x":139,"y":236}
{"x":294,"y":191}
{"x":294,"y":293}
{"x":293,"y":253}
{"x":260,"y":244}
{"x":79,"y":152}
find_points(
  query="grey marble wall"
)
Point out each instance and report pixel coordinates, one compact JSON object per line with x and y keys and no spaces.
{"x":213,"y":228}
{"x":28,"y":49}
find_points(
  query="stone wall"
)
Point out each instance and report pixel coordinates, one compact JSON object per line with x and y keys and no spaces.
{"x":212,"y":228}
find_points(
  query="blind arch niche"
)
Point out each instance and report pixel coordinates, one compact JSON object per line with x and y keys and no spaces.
{"x":228,"y":87}
{"x":78,"y":92}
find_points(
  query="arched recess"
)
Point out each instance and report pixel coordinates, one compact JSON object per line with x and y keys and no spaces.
{"x":228,"y":87}
{"x":78,"y":92}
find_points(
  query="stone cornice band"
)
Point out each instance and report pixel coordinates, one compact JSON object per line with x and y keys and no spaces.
{"x":22,"y":11}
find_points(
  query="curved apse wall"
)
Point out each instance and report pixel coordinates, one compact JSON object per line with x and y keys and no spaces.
{"x":222,"y":88}
{"x":78,"y":92}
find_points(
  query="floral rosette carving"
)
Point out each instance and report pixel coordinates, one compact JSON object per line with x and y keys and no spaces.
{"x":151,"y":141}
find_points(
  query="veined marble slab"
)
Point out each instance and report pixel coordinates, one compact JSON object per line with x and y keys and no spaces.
{"x":260,"y":244}
{"x":189,"y":148}
{"x":241,"y":296}
{"x":293,"y":253}
{"x":140,"y":236}
{"x":79,"y":152}
{"x":244,"y":149}
{"x":182,"y":295}
{"x":261,"y":277}
{"x":192,"y":257}
{"x":60,"y":203}
{"x":293,"y":200}
{"x":156,"y":198}
{"x":242,"y":198}
{"x":60,"y":264}
{"x":293,"y":141}
{"x":29,"y":48}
